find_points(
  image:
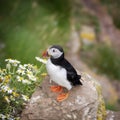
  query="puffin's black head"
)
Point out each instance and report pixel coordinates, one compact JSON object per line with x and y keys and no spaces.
{"x":55,"y":51}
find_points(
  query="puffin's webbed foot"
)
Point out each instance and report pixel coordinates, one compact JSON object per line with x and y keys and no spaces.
{"x":62,"y":97}
{"x":56,"y":88}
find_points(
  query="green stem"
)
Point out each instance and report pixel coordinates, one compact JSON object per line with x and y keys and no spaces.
{"x":39,"y":70}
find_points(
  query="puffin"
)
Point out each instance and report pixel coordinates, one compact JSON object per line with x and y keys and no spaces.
{"x":60,"y":71}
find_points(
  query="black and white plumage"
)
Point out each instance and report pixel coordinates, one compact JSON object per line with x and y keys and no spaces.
{"x":60,"y":70}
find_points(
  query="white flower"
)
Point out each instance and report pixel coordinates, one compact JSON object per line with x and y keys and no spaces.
{"x":7,"y":89}
{"x":1,"y":78}
{"x":29,"y":66}
{"x":26,"y":81}
{"x":22,"y":67}
{"x":41,"y":60}
{"x":3,"y":72}
{"x":8,"y":66}
{"x":19,"y":78}
{"x":29,"y":72}
{"x":13,"y":62}
{"x":25,"y":98}
{"x":2,"y":116}
{"x":31,"y":77}
{"x":21,"y":70}
{"x":10,"y":91}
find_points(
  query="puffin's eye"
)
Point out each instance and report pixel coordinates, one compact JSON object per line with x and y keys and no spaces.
{"x":53,"y":50}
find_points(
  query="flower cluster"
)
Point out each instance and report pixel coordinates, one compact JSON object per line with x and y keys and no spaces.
{"x":88,"y":36}
{"x":26,"y":73}
{"x":17,"y":83}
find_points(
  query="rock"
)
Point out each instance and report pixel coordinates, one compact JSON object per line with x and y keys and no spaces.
{"x":108,"y":32}
{"x":110,"y":94}
{"x":74,"y":40}
{"x":113,"y":115}
{"x":84,"y":103}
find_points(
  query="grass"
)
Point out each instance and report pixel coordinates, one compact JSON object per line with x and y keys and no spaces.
{"x":112,"y":107}
{"x":108,"y":61}
{"x":29,"y":27}
{"x":105,"y":60}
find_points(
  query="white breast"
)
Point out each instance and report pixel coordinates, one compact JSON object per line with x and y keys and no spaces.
{"x":58,"y":75}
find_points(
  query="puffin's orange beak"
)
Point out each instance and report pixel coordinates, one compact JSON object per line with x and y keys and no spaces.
{"x":45,"y":54}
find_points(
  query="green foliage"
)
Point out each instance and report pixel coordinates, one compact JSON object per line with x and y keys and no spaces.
{"x":107,"y":61}
{"x":28,"y":27}
{"x":62,"y":10}
{"x":17,"y":83}
{"x":111,"y":107}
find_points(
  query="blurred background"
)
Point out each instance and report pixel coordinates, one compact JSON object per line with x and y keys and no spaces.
{"x":28,"y":27}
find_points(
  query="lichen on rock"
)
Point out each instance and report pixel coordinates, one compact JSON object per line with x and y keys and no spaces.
{"x":101,"y":113}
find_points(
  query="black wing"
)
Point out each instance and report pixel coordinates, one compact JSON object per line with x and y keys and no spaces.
{"x":72,"y":75}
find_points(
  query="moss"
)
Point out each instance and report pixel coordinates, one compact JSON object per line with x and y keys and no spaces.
{"x":101,"y":113}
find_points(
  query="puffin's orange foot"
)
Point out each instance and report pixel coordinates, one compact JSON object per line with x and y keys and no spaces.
{"x":56,"y":88}
{"x":62,"y":97}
